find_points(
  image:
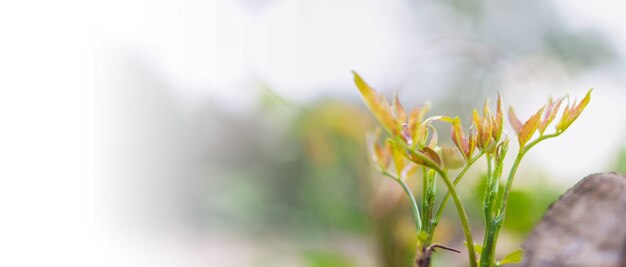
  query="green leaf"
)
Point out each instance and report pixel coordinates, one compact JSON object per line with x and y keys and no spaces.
{"x":513,"y":257}
{"x":478,"y":248}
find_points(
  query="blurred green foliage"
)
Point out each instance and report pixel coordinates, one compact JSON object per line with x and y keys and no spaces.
{"x":621,"y":161}
{"x":327,"y":258}
{"x":526,"y":204}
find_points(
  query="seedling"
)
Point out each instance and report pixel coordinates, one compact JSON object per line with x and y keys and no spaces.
{"x":408,"y":144}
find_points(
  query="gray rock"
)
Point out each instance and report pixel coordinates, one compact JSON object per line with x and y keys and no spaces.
{"x":585,"y":227}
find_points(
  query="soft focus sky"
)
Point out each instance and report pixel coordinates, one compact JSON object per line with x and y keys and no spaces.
{"x":75,"y":74}
{"x":223,"y":50}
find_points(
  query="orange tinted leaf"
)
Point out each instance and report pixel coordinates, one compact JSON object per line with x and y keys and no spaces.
{"x":579,"y":109}
{"x":400,"y":114}
{"x":459,"y":138}
{"x":517,"y":125}
{"x":432,"y":154}
{"x":530,"y":127}
{"x":486,"y":110}
{"x":485,"y":135}
{"x":560,"y":126}
{"x":415,"y":120}
{"x":551,"y":111}
{"x":472,"y":141}
{"x":570,"y":114}
{"x":376,"y":151}
{"x":477,"y":121}
{"x":415,"y":156}
{"x":377,"y":104}
{"x":498,"y":120}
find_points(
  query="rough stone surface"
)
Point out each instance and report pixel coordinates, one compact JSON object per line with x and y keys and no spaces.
{"x":585,"y":227}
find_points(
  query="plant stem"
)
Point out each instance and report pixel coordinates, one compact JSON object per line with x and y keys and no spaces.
{"x":487,"y":258}
{"x":424,"y":194}
{"x":414,"y":206}
{"x":457,"y":179}
{"x":494,"y":224}
{"x":488,"y":190}
{"x":464,"y":221}
{"x":488,"y":240}
{"x":505,"y":197}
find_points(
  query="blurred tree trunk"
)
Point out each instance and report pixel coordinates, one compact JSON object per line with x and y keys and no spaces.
{"x":585,"y":227}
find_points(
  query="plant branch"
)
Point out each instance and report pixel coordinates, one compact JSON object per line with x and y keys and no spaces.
{"x":463,"y":216}
{"x":414,"y":205}
{"x":457,"y":179}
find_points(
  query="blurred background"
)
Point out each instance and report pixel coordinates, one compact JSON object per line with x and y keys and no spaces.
{"x":230,"y":133}
{"x":233,"y":134}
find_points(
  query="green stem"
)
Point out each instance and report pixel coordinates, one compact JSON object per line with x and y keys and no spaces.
{"x":509,"y":182}
{"x":457,"y":179}
{"x":488,"y":240}
{"x":414,"y":206}
{"x":487,"y":258}
{"x":488,"y":190}
{"x":495,"y":224}
{"x":424,"y":197}
{"x":463,"y":215}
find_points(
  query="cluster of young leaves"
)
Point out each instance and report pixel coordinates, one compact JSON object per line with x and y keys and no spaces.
{"x":410,"y":141}
{"x":544,"y":116}
{"x":411,"y":138}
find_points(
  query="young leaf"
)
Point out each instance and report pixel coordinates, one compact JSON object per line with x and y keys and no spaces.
{"x":459,"y":138}
{"x":570,"y":114}
{"x":517,"y":125}
{"x":378,"y":153}
{"x":399,"y":112}
{"x":452,"y":157}
{"x":377,"y":104}
{"x":415,"y":156}
{"x":486,"y":110}
{"x":416,"y":116}
{"x":498,"y":120}
{"x":398,"y":160}
{"x":472,"y":140}
{"x":548,"y":116}
{"x":513,"y":257}
{"x":477,"y":122}
{"x":478,"y":248}
{"x":432,"y":154}
{"x":529,"y":127}
{"x":434,"y":138}
{"x":486,"y":135}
